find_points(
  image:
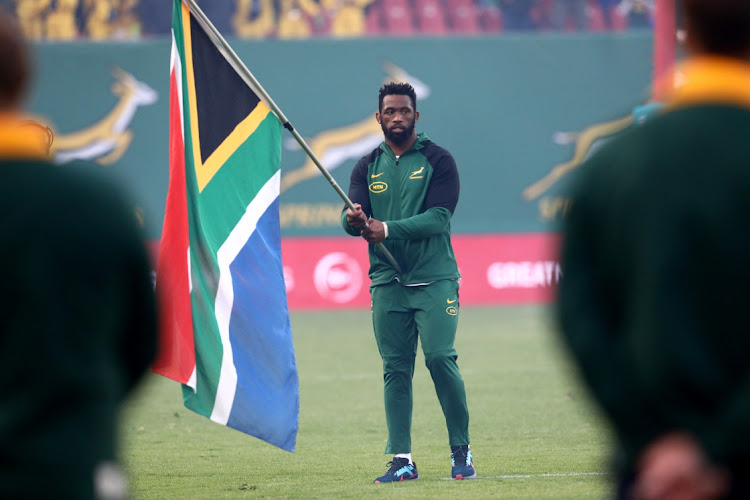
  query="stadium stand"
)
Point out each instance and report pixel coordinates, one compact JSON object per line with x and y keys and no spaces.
{"x":490,"y":19}
{"x":374,"y":20}
{"x":463,"y":16}
{"x":430,"y":17}
{"x":596,"y":18}
{"x":63,"y":20}
{"x":399,"y":17}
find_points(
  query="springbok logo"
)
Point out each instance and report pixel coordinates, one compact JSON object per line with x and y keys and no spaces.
{"x":336,"y":146}
{"x":587,"y":142}
{"x":108,"y":139}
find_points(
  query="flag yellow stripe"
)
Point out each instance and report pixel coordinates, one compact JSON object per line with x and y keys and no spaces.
{"x":205,"y":170}
{"x":192,"y":101}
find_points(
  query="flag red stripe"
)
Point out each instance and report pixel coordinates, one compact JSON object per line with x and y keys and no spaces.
{"x":176,"y":358}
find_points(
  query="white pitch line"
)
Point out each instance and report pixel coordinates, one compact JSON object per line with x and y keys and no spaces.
{"x":525,"y":476}
{"x":568,"y":474}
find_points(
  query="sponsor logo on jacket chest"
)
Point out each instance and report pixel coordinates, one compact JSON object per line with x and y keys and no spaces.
{"x":378,"y":187}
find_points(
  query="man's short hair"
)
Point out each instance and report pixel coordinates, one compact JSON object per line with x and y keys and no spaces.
{"x":720,"y":27}
{"x":394,"y":88}
{"x":14,"y":61}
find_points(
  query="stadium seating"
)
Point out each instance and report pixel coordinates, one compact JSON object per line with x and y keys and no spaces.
{"x":382,"y":18}
{"x":490,"y":19}
{"x":374,"y":19}
{"x":596,"y":18}
{"x":399,"y":17}
{"x":430,"y":17}
{"x":463,"y":15}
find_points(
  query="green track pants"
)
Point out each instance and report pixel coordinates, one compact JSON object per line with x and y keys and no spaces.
{"x":401,"y":315}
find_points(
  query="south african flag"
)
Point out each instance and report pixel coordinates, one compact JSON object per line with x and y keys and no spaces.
{"x":225,"y":322}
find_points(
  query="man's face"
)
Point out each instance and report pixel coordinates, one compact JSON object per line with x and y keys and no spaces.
{"x":397,"y":118}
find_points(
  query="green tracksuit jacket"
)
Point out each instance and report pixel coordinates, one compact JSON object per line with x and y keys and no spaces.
{"x":77,"y":325}
{"x":415,"y":195}
{"x":656,"y":280}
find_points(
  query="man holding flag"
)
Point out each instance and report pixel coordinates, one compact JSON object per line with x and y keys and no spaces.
{"x":405,"y":192}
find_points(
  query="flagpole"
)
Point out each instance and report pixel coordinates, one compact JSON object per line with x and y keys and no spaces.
{"x":234,"y":60}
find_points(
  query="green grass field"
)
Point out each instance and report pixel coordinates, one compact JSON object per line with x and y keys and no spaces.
{"x":535,"y":434}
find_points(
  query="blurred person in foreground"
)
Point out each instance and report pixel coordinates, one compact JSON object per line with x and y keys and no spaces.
{"x":77,"y":310}
{"x":656,"y":286}
{"x":404,"y":193}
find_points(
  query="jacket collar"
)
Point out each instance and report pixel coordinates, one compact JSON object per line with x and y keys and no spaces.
{"x":21,"y":138}
{"x":710,"y":80}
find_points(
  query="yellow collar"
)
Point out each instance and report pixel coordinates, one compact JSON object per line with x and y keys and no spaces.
{"x":22,"y":138}
{"x":710,"y":80}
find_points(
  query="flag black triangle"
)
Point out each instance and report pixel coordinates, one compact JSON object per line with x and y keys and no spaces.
{"x":223,"y":99}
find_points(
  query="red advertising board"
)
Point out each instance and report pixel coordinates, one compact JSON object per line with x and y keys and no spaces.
{"x":331,"y":273}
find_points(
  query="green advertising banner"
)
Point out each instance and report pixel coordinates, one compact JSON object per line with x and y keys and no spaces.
{"x":517,"y":112}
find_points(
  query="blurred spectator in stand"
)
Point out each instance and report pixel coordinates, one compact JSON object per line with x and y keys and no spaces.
{"x":155,"y":17}
{"x":64,"y":20}
{"x":607,"y":7}
{"x":347,"y":16}
{"x":220,"y":13}
{"x":30,"y":14}
{"x":564,"y":11}
{"x":254,"y":18}
{"x":295,"y":18}
{"x":61,"y":21}
{"x":99,"y":15}
{"x":490,"y":16}
{"x":638,"y":12}
{"x":517,"y":14}
{"x":127,"y":24}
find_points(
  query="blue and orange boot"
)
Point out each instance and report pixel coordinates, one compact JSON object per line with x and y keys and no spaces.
{"x":399,"y":470}
{"x":463,"y":465}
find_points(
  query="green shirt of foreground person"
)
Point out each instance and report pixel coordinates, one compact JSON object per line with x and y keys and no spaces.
{"x":77,"y":309}
{"x":656,"y":283}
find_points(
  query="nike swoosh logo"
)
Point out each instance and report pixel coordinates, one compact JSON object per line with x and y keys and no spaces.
{"x":377,"y":175}
{"x":450,"y":301}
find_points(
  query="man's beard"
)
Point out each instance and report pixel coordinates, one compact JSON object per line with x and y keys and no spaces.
{"x":398,"y":137}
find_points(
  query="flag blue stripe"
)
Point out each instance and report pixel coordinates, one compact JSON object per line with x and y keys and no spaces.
{"x":266,"y":401}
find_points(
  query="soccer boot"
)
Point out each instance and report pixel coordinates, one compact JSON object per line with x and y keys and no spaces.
{"x":462,"y":463}
{"x":399,"y":470}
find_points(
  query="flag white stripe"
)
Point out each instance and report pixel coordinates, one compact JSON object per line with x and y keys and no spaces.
{"x":225,"y":292}
{"x":175,"y":65}
{"x":192,"y":381}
